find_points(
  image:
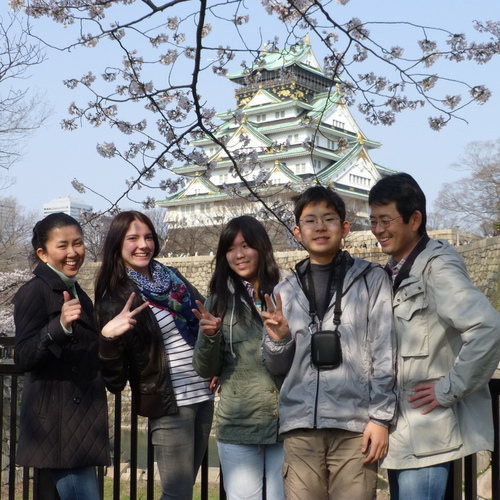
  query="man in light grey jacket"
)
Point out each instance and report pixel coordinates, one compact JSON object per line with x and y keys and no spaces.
{"x":448,"y":346}
{"x":338,"y":359}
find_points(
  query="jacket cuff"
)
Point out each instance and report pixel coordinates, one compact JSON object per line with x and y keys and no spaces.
{"x":110,"y":348}
{"x":56,"y":333}
{"x":382,"y":423}
{"x":211,"y":339}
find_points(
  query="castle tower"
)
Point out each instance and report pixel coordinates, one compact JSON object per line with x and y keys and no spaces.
{"x":290,"y":120}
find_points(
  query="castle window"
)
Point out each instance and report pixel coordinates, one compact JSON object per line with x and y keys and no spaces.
{"x":206,"y":207}
{"x":300,"y":168}
{"x":332,"y":144}
{"x":359,"y":180}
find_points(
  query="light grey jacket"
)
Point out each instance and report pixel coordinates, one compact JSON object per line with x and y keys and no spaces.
{"x":448,"y":333}
{"x":362,"y":387}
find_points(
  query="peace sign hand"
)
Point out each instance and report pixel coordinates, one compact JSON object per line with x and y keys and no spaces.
{"x":124,"y":321}
{"x":275,"y":323}
{"x":209,"y":325}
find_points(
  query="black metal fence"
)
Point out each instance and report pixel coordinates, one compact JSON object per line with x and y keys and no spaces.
{"x":28,"y":484}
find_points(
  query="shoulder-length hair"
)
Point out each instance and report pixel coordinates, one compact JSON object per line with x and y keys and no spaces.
{"x":112,"y":274}
{"x":256,"y":237}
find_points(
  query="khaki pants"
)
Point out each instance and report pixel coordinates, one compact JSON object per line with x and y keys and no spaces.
{"x":327,"y":464}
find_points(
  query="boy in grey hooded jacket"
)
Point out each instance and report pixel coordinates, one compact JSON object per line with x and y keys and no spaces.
{"x":333,"y":418}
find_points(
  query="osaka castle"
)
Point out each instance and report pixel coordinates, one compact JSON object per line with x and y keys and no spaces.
{"x":291,"y":120}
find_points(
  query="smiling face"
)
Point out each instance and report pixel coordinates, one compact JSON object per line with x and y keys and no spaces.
{"x":64,"y":250}
{"x":323,"y":238}
{"x":399,"y":238}
{"x":138,"y":247}
{"x":243,"y":260}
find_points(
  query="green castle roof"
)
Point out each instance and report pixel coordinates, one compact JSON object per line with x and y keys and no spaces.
{"x":276,"y":60}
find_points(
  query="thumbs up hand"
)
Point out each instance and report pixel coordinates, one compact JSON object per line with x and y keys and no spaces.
{"x":70,"y":311}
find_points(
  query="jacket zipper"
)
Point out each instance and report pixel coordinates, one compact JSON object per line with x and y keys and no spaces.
{"x":316,"y":400}
{"x":360,"y":275}
{"x":316,"y":396}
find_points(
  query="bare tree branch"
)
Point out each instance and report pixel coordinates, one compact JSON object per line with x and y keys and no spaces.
{"x":474,"y":201}
{"x":155,"y":97}
{"x":20,"y":114}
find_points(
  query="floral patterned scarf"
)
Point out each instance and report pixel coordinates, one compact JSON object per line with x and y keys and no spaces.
{"x":167,"y":291}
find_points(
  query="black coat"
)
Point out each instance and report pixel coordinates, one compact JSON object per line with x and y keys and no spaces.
{"x":63,"y":420}
{"x":138,"y":356}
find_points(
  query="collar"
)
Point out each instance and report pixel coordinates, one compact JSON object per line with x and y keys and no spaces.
{"x":403,"y":267}
{"x":50,"y":276}
{"x":68,"y":281}
{"x":303,"y":266}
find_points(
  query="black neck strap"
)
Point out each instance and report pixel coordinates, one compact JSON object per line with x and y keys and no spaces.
{"x":311,"y":294}
{"x":337,"y":312}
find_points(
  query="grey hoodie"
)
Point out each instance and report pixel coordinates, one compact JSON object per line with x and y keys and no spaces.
{"x":362,"y":387}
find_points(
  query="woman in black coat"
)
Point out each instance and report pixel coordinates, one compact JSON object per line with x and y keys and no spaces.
{"x":63,"y":424}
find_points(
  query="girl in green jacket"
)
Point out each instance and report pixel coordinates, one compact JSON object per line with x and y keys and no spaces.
{"x":229,"y":347}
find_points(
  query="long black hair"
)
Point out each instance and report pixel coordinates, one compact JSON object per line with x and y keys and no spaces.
{"x":256,"y":237}
{"x":112,"y":275}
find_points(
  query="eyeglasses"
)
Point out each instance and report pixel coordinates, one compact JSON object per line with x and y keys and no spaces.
{"x":385,"y":223}
{"x":328,"y":220}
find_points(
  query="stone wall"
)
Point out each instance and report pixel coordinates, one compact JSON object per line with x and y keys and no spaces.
{"x":482,"y":258}
{"x":483,"y":263}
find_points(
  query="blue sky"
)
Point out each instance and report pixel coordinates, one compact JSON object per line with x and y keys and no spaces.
{"x":54,"y":157}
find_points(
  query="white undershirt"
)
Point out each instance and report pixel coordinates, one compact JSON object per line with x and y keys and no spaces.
{"x":189,"y":387}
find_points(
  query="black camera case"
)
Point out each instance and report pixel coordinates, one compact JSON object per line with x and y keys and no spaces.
{"x":326,"y":350}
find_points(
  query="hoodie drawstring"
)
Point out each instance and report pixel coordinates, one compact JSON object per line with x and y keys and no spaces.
{"x":231,"y":328}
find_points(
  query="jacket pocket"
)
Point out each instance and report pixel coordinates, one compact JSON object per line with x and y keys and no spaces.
{"x":238,"y":402}
{"x":433,"y":433}
{"x":410,"y":312}
{"x":41,"y":392}
{"x":240,"y":331}
{"x":284,"y":470}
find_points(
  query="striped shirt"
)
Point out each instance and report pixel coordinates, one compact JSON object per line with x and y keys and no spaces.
{"x":189,"y":387}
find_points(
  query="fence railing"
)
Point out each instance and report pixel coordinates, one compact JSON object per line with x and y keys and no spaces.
{"x":26,"y":483}
{"x":29,"y":483}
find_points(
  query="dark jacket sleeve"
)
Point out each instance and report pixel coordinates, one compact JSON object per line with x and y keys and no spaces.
{"x":113,"y":355}
{"x":40,"y":337}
